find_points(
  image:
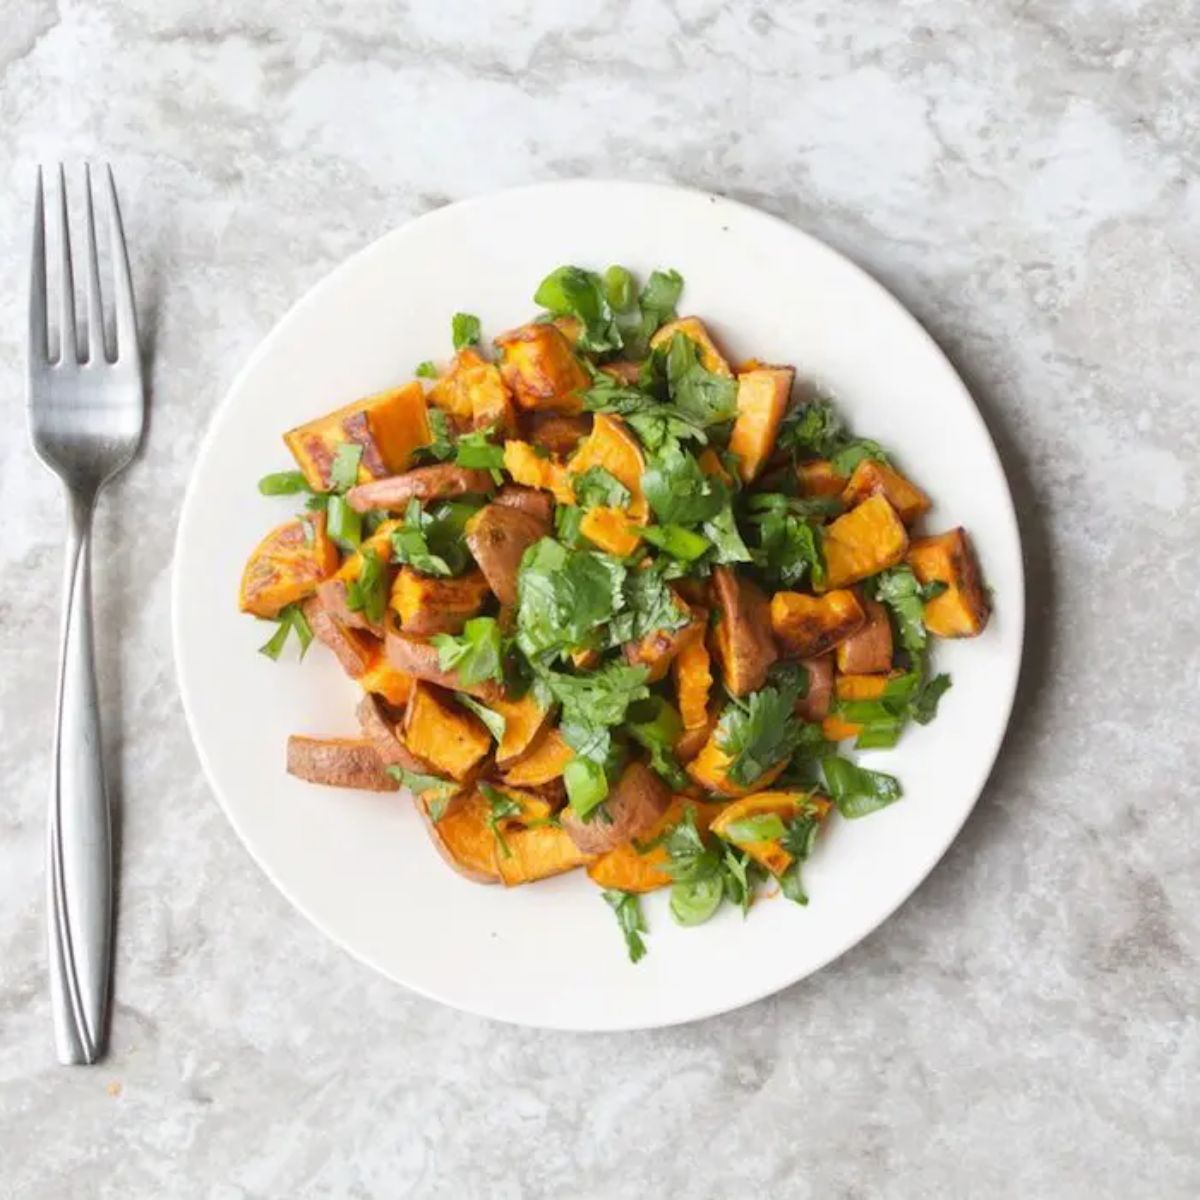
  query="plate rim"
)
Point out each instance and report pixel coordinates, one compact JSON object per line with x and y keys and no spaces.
{"x":1015,"y":610}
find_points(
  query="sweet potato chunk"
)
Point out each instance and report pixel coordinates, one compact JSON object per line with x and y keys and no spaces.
{"x":541,"y":369}
{"x":381,"y":730}
{"x":872,"y":478}
{"x":610,"y":530}
{"x":852,"y":687}
{"x":709,"y":461}
{"x":787,"y":806}
{"x":869,"y":649}
{"x":635,"y":803}
{"x":962,"y":610}
{"x":693,"y":329}
{"x":333,"y":593}
{"x":629,"y":870}
{"x":473,"y":393}
{"x":611,"y":446}
{"x":819,"y":479}
{"x":418,"y":658}
{"x":286,"y":566}
{"x":815,"y":704}
{"x":527,"y":500}
{"x":381,"y":678}
{"x":807,"y":626}
{"x":447,"y":737}
{"x":538,"y":853}
{"x":355,"y":649}
{"x":338,"y":762}
{"x":692,"y":668}
{"x":464,"y":839}
{"x":762,"y":399}
{"x":742,"y":638}
{"x":657,"y":650}
{"x":389,"y":426}
{"x":527,"y":467}
{"x":544,"y":761}
{"x":863,"y":542}
{"x":710,"y":769}
{"x":427,"y":604}
{"x":524,"y":719}
{"x":422,"y":483}
{"x":498,"y":536}
{"x":558,"y":434}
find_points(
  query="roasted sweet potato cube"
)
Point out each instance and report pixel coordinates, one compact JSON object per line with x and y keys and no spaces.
{"x":871,"y":478}
{"x":463,"y":837}
{"x":814,"y":705}
{"x":852,"y":687}
{"x":692,"y":667}
{"x":807,"y":626}
{"x":356,"y":649}
{"x":863,"y":542}
{"x":524,"y":719}
{"x":438,"y":731}
{"x":473,"y":393}
{"x":787,"y":806}
{"x":381,"y":678}
{"x":710,"y":769}
{"x":742,"y":637}
{"x":428,"y":604}
{"x":544,"y":761}
{"x":762,"y":399}
{"x":541,"y":369}
{"x":287,"y":565}
{"x":612,"y":446}
{"x":532,"y":854}
{"x":962,"y":610}
{"x":528,"y":467}
{"x":657,"y":650}
{"x":388,"y":426}
{"x":610,"y":530}
{"x":693,"y":329}
{"x":338,"y":762}
{"x":558,"y":433}
{"x":819,"y":479}
{"x":868,"y":650}
{"x":333,"y":592}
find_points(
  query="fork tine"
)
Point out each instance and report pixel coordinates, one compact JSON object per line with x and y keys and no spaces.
{"x":95,"y":310}
{"x":39,"y":348}
{"x":68,"y":346}
{"x":126,"y":321}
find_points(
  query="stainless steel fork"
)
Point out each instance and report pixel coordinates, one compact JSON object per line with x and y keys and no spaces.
{"x":85,"y":417}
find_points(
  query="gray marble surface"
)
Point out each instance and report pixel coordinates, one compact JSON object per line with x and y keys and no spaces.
{"x":1023,"y":173}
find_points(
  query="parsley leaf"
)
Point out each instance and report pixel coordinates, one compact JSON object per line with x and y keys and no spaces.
{"x":500,"y":808}
{"x":343,"y":471}
{"x":678,"y":491}
{"x":492,"y":720}
{"x":699,"y":395}
{"x":857,"y":791}
{"x":761,"y":730}
{"x":628,"y":910}
{"x":464,"y":330}
{"x":898,"y":588}
{"x":655,"y":725}
{"x":475,"y":654}
{"x":291,"y":618}
{"x":574,"y":292}
{"x":789,"y":547}
{"x":368,"y":593}
{"x":598,"y":487}
{"x":426,"y":370}
{"x":432,"y":789}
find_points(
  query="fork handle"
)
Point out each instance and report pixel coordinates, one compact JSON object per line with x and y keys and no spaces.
{"x":79,"y":874}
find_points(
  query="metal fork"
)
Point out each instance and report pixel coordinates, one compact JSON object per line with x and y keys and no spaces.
{"x":85,"y":418}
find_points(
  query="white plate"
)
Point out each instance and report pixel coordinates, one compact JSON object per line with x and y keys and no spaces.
{"x":360,"y":866}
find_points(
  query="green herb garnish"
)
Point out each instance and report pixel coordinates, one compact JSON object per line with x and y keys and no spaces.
{"x":628,"y":911}
{"x":464,"y":330}
{"x":475,"y":655}
{"x":291,"y":619}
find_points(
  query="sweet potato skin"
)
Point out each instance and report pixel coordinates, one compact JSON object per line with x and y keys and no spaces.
{"x":382,"y":732}
{"x":864,"y":541}
{"x":557,"y":433}
{"x":427,"y":605}
{"x":390,"y":427}
{"x":762,"y":399}
{"x":287,"y":566}
{"x":498,"y":536}
{"x":711,"y":359}
{"x":447,"y":737}
{"x":338,"y":762}
{"x":441,"y":482}
{"x":355,"y":649}
{"x":869,"y":649}
{"x":742,"y":638}
{"x":808,"y":626}
{"x":871,"y":478}
{"x":962,"y":610}
{"x":462,"y":837}
{"x":816,"y":702}
{"x":541,"y":370}
{"x":418,"y":658}
{"x":637,"y":800}
{"x":527,"y":500}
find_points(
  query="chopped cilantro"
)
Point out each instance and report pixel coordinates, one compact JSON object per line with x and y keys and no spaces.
{"x":475,"y":655}
{"x":492,"y":720}
{"x":574,"y":292}
{"x":368,"y":593}
{"x":699,"y":395}
{"x":628,"y":911}
{"x":426,"y":370}
{"x":343,"y":471}
{"x":464,"y":330}
{"x":678,"y":490}
{"x":656,"y":725}
{"x":597,"y":487}
{"x":283,"y":483}
{"x":857,"y":791}
{"x":500,"y":808}
{"x":291,"y":619}
{"x":432,"y":789}
{"x":761,"y":730}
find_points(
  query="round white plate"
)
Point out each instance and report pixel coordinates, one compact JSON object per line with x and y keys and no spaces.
{"x":360,"y":866}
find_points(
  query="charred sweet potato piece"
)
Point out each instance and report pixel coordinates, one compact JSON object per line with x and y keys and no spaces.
{"x":692,"y":741}
{"x":692,"y":668}
{"x":338,"y":762}
{"x":388,"y":426}
{"x":787,"y":806}
{"x":557,"y":433}
{"x":498,"y":536}
{"x":524,"y":719}
{"x":418,"y":658}
{"x":819,"y":479}
{"x":742,"y":638}
{"x":527,"y":500}
{"x":355,"y":649}
{"x":634,"y":804}
{"x":428,"y":604}
{"x":473,"y":393}
{"x":871,"y":478}
{"x":693,"y":329}
{"x":762,"y":399}
{"x":657,"y":650}
{"x":422,"y":483}
{"x":541,"y":369}
{"x":815,"y":704}
{"x":962,"y":610}
{"x":807,"y":626}
{"x":710,"y":769}
{"x":462,"y":836}
{"x":868,"y":649}
{"x":863,"y":542}
{"x":287,"y":565}
{"x":444,"y":735}
{"x":527,"y":467}
{"x":544,"y":761}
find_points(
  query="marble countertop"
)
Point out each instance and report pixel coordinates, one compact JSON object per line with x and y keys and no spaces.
{"x":1023,"y":174}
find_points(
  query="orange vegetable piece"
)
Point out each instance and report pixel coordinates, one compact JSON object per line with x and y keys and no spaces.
{"x":524,"y":719}
{"x":863,"y":542}
{"x":871,"y":478}
{"x":611,"y":530}
{"x":762,"y":399}
{"x":710,"y":769}
{"x":869,"y":650}
{"x":450,"y":739}
{"x":543,"y":761}
{"x":807,"y":626}
{"x":463,"y":837}
{"x":692,"y":667}
{"x":287,"y":565}
{"x":474,"y":393}
{"x":852,"y":687}
{"x":385,"y":680}
{"x":693,"y":329}
{"x":527,"y":467}
{"x":610,"y":445}
{"x":786,"y":806}
{"x":658,"y":649}
{"x":427,"y":604}
{"x":962,"y":610}
{"x":709,"y":461}
{"x":540,"y":367}
{"x":818,"y":478}
{"x":538,"y":853}
{"x":389,"y":426}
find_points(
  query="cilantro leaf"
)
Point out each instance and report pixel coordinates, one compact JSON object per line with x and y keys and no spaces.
{"x":857,"y":791}
{"x":476,"y":451}
{"x":426,"y":370}
{"x":897,"y":587}
{"x":760,"y":730}
{"x":677,"y":489}
{"x":464,"y":330}
{"x":291,"y":619}
{"x":699,"y":395}
{"x":814,"y":429}
{"x":798,"y":841}
{"x":442,"y":446}
{"x":432,"y":789}
{"x":699,"y":884}
{"x":851,"y":454}
{"x":283,"y":483}
{"x":650,"y":607}
{"x":598,"y":487}
{"x":628,"y":911}
{"x":789,"y":547}
{"x":492,"y":720}
{"x":656,"y":725}
{"x":343,"y":471}
{"x":474,"y":655}
{"x":740,"y":875}
{"x":432,"y":542}
{"x":500,"y":808}
{"x":723,"y":532}
{"x":599,"y":697}
{"x":925,"y":703}
{"x":368,"y":593}
{"x":574,"y":292}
